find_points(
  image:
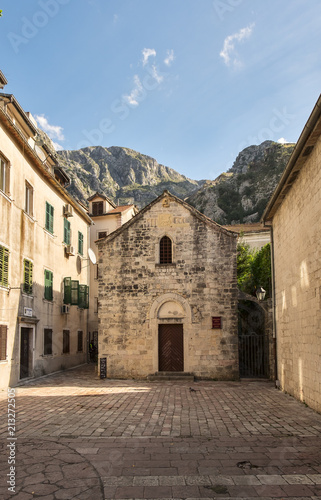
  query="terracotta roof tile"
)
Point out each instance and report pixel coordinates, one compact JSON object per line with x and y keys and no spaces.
{"x":121,"y":208}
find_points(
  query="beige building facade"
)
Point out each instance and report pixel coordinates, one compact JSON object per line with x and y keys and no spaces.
{"x":168,"y":294}
{"x":294,"y":212}
{"x":44,"y":233}
{"x":255,"y":234}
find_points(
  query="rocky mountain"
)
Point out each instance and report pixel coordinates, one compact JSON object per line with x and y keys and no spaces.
{"x":126,"y":176}
{"x":122,"y":174}
{"x":241,"y":194}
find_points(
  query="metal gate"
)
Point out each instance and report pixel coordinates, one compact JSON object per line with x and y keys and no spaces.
{"x":170,"y":348}
{"x":253,"y":355}
{"x":253,"y":342}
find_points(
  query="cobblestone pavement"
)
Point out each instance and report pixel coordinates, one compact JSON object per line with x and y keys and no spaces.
{"x":78,"y":437}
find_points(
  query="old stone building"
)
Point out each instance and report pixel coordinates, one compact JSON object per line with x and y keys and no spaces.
{"x":294,"y":212}
{"x":168,"y":294}
{"x":254,"y":234}
{"x":106,"y":217}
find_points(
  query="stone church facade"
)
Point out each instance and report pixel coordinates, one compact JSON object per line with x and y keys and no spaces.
{"x":168,"y":294}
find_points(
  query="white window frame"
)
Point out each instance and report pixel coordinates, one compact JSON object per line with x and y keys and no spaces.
{"x":29,"y":198}
{"x":4,"y":175}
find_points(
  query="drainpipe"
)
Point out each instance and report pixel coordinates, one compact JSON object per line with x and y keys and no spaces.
{"x":277,"y":382}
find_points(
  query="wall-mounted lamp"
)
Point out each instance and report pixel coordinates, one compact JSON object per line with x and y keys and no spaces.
{"x":260,"y":293}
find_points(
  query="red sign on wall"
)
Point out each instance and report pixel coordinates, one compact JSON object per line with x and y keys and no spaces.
{"x":216,"y":322}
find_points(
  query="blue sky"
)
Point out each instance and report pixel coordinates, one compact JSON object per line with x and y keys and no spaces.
{"x":188,"y":82}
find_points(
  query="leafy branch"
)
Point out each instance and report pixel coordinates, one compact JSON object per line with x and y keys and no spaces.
{"x":253,"y":268}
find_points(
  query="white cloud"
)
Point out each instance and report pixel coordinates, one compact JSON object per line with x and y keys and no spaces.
{"x":147,"y":53}
{"x":115,"y":18}
{"x":282,"y":140}
{"x":54,"y":131}
{"x":229,"y":45}
{"x":57,"y":146}
{"x":170,"y":57}
{"x":155,"y":75}
{"x":133,"y":97}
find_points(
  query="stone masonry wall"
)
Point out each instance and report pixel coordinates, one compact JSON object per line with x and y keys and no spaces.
{"x":297,"y":254}
{"x":133,"y":286}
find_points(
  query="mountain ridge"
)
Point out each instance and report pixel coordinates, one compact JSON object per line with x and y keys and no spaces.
{"x":127,"y":176}
{"x":124,"y":175}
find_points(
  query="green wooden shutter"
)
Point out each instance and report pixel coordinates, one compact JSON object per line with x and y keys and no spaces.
{"x":48,"y":285}
{"x":80,"y":243}
{"x":4,"y":266}
{"x":83,"y":296}
{"x":74,"y":292}
{"x":28,"y":270}
{"x":67,"y":290}
{"x":49,"y":217}
{"x":66,"y":231}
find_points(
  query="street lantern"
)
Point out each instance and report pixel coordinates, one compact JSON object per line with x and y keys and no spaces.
{"x":260,"y":293}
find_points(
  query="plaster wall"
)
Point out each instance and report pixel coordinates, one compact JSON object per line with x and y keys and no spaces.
{"x":25,"y":237}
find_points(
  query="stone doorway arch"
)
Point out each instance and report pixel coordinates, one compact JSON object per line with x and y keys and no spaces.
{"x":170,"y":322}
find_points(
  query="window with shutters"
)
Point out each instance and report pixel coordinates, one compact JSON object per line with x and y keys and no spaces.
{"x":80,"y":341}
{"x":65,"y":341}
{"x":4,"y":175}
{"x":27,"y":279}
{"x":49,"y":217}
{"x":98,"y":208}
{"x":76,"y":294}
{"x":165,"y":250}
{"x":83,"y":302}
{"x":4,"y":266}
{"x":67,"y":231}
{"x":67,"y":290}
{"x":71,"y":291}
{"x":3,"y":342}
{"x":48,"y":285}
{"x":80,"y":243}
{"x":47,"y":341}
{"x":29,"y":199}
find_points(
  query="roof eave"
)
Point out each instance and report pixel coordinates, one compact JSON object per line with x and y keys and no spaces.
{"x":11,"y":98}
{"x":286,"y":181}
{"x":193,"y":210}
{"x":36,"y":160}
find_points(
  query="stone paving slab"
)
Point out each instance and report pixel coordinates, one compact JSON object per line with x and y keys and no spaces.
{"x":79,"y":437}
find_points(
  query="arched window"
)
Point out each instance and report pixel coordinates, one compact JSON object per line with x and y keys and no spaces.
{"x":165,"y":250}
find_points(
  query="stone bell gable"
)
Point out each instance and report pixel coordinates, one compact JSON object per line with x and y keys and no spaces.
{"x":168,"y":294}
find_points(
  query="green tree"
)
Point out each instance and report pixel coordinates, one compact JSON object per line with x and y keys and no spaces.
{"x":254,"y":268}
{"x":245,"y":257}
